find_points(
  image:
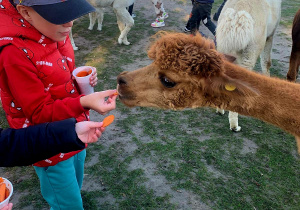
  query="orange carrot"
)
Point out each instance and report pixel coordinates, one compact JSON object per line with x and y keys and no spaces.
{"x":108,"y":120}
{"x":1,"y":180}
{"x":6,"y":192}
{"x":2,"y":192}
{"x":90,"y":71}
{"x":115,"y":94}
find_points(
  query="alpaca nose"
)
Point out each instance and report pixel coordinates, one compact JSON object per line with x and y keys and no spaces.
{"x":121,"y":79}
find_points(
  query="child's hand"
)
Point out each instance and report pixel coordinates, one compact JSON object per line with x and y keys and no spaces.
{"x":88,"y":131}
{"x":101,"y":102}
{"x":8,"y":207}
{"x":93,"y":78}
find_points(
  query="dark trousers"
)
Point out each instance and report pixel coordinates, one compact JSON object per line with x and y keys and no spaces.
{"x":130,"y":9}
{"x":217,"y":14}
{"x":201,"y":12}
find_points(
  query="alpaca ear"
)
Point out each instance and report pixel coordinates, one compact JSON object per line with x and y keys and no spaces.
{"x":229,"y":58}
{"x":223,"y":84}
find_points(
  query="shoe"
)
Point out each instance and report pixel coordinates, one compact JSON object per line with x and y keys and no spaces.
{"x":133,"y":15}
{"x":165,"y":15}
{"x":186,"y":30}
{"x":159,"y":22}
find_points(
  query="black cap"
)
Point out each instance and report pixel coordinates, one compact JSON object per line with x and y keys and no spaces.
{"x":59,"y":11}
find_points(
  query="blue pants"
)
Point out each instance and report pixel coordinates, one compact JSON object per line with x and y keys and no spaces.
{"x":61,"y":184}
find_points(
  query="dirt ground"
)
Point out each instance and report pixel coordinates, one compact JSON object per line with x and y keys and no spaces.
{"x":186,"y":200}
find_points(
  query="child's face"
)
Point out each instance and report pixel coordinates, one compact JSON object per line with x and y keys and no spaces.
{"x":52,"y":31}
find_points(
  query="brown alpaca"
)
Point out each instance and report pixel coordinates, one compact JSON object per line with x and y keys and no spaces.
{"x":187,"y":72}
{"x":295,"y":53}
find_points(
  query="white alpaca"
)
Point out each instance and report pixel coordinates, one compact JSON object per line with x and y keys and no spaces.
{"x":96,"y":16}
{"x":245,"y":29}
{"x":124,"y":19}
{"x":72,"y":41}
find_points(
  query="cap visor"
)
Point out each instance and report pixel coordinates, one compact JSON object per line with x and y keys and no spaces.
{"x":64,"y":12}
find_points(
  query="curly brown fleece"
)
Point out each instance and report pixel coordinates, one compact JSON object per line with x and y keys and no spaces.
{"x":180,"y":52}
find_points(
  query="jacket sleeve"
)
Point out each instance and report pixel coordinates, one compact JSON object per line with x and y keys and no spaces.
{"x":29,"y":91}
{"x":18,"y":147}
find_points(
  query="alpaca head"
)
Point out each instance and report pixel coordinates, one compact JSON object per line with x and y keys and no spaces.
{"x":186,"y":72}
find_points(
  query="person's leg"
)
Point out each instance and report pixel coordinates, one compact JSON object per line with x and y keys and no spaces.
{"x":165,"y":14}
{"x":160,"y":13}
{"x":158,"y":8}
{"x":187,"y":27}
{"x":61,"y":184}
{"x":217,"y":14}
{"x":198,"y":23}
{"x":79,"y":160}
{"x":194,"y":17}
{"x":206,"y":9}
{"x":130,"y":9}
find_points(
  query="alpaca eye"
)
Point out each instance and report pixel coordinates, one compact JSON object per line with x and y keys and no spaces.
{"x":166,"y":82}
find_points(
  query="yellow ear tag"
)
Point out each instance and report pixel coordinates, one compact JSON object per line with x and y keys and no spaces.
{"x":230,"y":87}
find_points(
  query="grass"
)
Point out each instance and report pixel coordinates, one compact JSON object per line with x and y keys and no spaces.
{"x":153,"y":158}
{"x":289,"y":9}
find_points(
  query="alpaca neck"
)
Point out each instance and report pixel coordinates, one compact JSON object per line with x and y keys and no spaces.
{"x":277,"y":102}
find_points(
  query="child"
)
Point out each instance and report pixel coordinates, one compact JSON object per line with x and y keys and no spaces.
{"x":200,"y":12}
{"x":161,"y":14}
{"x":36,"y":62}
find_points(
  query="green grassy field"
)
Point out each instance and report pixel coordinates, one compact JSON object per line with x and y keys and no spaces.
{"x":155,"y":159}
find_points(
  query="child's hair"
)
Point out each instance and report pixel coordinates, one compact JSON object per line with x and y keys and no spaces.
{"x":58,"y":11}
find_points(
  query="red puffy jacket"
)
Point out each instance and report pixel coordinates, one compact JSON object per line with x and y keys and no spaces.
{"x":35,"y":77}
